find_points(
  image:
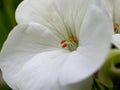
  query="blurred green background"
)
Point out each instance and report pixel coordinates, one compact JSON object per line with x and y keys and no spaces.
{"x":7,"y":22}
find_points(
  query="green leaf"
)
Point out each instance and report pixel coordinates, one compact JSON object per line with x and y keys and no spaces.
{"x":4,"y":87}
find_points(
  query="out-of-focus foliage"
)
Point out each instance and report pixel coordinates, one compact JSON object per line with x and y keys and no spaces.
{"x":7,"y":18}
{"x":7,"y":22}
{"x":108,"y":77}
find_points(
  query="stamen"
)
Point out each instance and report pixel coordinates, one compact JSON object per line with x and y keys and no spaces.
{"x":116,"y":27}
{"x":63,"y":41}
{"x":72,"y":38}
{"x":71,"y":43}
{"x":64,"y":45}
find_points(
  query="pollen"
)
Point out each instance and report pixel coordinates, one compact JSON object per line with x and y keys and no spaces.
{"x":64,"y":45}
{"x":71,"y":43}
{"x":116,"y":27}
{"x":73,"y":39}
{"x":63,"y":41}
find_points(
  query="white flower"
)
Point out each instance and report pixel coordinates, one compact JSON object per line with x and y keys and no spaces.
{"x":116,"y":40}
{"x":61,"y":45}
{"x":113,"y":7}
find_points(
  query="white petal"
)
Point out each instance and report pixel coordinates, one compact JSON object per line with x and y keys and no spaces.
{"x":73,"y":12}
{"x":116,"y":11}
{"x":96,"y":31}
{"x":22,"y":44}
{"x":110,"y":7}
{"x":31,"y":10}
{"x":95,"y":38}
{"x":113,"y":7}
{"x":62,"y":16}
{"x":116,"y":40}
{"x":44,"y":12}
{"x":42,"y":72}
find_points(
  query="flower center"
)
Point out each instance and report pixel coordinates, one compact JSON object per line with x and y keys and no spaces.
{"x":71,"y":43}
{"x":116,"y":27}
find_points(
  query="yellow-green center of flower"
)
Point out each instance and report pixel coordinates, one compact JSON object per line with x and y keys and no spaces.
{"x":71,"y":43}
{"x":116,"y":27}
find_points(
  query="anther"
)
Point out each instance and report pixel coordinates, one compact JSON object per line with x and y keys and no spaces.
{"x":64,"y":45}
{"x":63,"y":41}
{"x":116,"y":27}
{"x":71,"y":43}
{"x":72,"y":39}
